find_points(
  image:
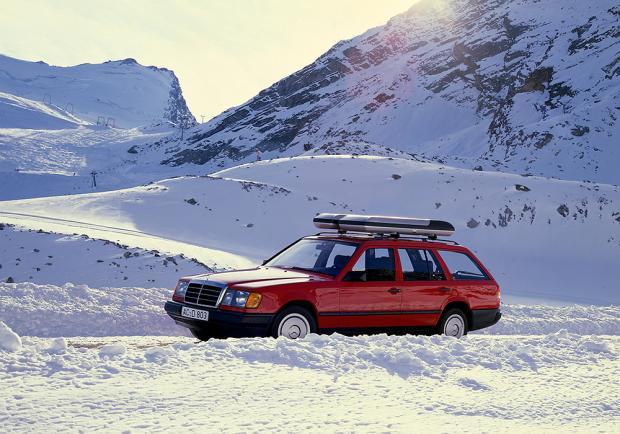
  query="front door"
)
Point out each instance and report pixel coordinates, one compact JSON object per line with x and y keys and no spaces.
{"x":369,"y":295}
{"x":424,"y":287}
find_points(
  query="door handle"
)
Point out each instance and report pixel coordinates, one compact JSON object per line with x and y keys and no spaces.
{"x":445,"y":289}
{"x":394,"y":290}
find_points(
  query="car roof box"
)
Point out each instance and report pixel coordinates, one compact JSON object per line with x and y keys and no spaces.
{"x":383,"y":224}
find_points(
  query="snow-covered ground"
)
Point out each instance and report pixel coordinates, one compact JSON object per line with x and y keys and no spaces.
{"x":561,"y":381}
{"x":41,"y":257}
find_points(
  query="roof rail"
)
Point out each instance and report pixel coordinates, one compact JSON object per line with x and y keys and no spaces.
{"x":394,"y":236}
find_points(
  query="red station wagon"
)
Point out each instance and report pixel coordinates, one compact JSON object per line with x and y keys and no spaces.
{"x":373,"y":274}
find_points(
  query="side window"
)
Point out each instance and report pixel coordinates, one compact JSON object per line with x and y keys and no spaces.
{"x":462,"y":267}
{"x":374,"y":265}
{"x":419,"y":264}
{"x":340,"y":255}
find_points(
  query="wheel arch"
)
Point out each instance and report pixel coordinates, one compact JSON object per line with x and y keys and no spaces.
{"x":301,"y":303}
{"x":462,"y":305}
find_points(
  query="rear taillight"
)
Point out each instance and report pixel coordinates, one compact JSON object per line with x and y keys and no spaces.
{"x":180,"y":290}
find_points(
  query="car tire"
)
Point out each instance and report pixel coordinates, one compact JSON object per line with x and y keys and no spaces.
{"x":453,"y":323}
{"x":293,"y":322}
{"x":202,"y":334}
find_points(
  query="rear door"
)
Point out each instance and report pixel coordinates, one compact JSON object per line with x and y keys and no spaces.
{"x":369,"y":295}
{"x":424,"y":287}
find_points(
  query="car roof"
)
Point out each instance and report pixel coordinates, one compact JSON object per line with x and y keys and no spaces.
{"x":402,"y":240}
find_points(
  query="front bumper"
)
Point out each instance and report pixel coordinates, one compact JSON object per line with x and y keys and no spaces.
{"x":482,"y":318}
{"x":221,"y":322}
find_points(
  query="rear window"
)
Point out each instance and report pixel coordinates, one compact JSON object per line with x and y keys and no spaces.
{"x":462,"y":267}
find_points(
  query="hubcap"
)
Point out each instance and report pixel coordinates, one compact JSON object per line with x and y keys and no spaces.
{"x":294,"y":326}
{"x":455,"y":326}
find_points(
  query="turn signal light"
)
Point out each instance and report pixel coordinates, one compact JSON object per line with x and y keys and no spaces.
{"x":253,"y":300}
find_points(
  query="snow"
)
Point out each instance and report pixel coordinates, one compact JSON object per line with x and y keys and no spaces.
{"x":321,"y":383}
{"x":37,"y":163}
{"x":79,"y":310}
{"x":9,"y":340}
{"x":41,"y":257}
{"x":16,"y":112}
{"x":125,"y":91}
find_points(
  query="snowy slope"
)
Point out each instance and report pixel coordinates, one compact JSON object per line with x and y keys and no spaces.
{"x":37,"y":163}
{"x":41,"y":257}
{"x":124,"y":91}
{"x":526,"y":86}
{"x":558,"y":241}
{"x":17,"y":112}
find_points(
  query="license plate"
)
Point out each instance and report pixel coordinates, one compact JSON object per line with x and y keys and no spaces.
{"x":188,"y":312}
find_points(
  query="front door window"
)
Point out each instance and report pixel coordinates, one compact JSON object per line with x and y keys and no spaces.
{"x":374,"y":265}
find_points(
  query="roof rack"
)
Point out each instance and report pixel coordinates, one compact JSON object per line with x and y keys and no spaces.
{"x":383,"y":225}
{"x":394,"y":236}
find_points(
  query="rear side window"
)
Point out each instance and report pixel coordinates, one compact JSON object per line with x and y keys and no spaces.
{"x":374,"y":265}
{"x":419,"y":264}
{"x":462,"y":267}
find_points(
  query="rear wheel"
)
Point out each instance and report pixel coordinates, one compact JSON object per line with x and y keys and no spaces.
{"x":202,"y":334}
{"x":453,"y":323}
{"x":294,"y":323}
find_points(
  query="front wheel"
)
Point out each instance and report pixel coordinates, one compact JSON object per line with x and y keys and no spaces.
{"x":294,"y":323}
{"x":453,"y":323}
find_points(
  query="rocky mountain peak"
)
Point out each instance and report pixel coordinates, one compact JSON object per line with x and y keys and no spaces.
{"x":528,"y":86}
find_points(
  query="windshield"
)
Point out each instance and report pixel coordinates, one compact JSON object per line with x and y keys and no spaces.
{"x":319,"y":256}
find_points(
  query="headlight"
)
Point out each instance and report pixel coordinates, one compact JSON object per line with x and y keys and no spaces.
{"x":180,"y":290}
{"x":243,"y":299}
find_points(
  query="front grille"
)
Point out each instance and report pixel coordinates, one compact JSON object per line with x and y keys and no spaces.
{"x":204,"y":295}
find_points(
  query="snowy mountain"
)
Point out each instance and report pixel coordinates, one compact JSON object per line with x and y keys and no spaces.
{"x":542,"y":239}
{"x":525,"y":86}
{"x":122,"y":93}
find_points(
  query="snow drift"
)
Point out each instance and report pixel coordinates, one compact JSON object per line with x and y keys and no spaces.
{"x":9,"y":340}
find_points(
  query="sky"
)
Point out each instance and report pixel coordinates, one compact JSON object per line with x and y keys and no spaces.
{"x":224,"y":52}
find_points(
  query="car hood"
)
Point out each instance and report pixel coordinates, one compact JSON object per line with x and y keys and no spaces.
{"x":268,"y":275}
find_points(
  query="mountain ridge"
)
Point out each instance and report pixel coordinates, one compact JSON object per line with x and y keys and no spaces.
{"x":493,"y":85}
{"x":121,"y":93}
